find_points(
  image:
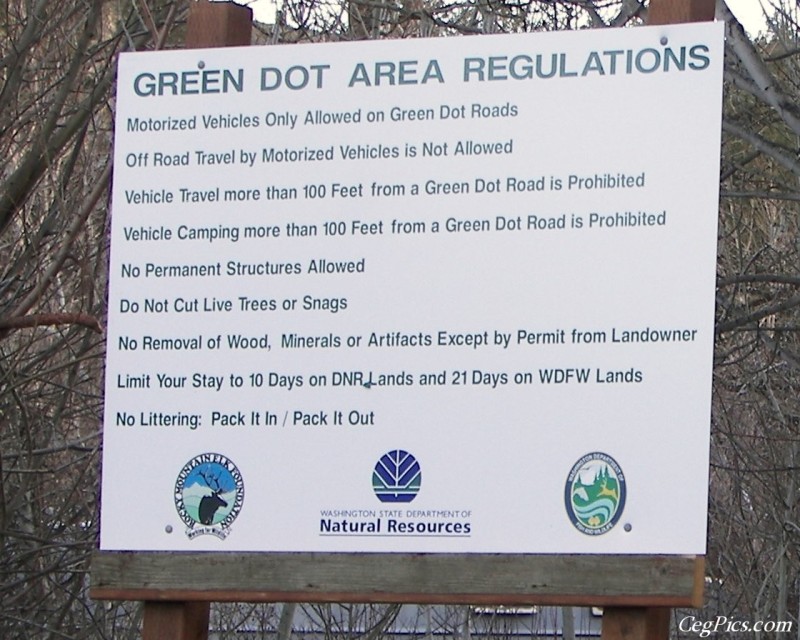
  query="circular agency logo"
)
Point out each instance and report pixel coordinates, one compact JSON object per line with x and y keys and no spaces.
{"x":209,"y":493}
{"x":595,"y":493}
{"x":397,"y":477}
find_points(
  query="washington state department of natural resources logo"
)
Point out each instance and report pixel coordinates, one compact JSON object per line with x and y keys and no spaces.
{"x":396,"y":482}
{"x":209,"y":493}
{"x":595,"y":493}
{"x":397,"y":477}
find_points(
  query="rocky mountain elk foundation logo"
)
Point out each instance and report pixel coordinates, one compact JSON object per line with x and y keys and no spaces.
{"x":209,"y":493}
{"x":397,"y":477}
{"x":595,"y":493}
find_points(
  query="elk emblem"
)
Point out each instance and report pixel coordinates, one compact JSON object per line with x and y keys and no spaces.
{"x":209,"y":491}
{"x":210,"y":504}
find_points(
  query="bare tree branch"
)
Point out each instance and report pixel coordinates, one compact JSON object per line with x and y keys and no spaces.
{"x":49,"y":319}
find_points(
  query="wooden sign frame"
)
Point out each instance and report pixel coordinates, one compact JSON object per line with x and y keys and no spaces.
{"x":422,"y":578}
{"x":177,"y":588}
{"x":636,"y":591}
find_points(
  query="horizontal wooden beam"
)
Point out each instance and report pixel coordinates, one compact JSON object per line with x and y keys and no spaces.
{"x":665,"y":581}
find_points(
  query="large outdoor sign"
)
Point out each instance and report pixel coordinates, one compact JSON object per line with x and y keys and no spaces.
{"x":450,"y":295}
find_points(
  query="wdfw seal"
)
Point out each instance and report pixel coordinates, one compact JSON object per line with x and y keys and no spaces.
{"x":209,"y":493}
{"x":594,"y":494}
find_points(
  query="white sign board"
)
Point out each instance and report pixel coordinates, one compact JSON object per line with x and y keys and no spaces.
{"x":450,"y":295}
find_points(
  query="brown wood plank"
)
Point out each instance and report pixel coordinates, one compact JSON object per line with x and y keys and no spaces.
{"x":679,"y":11}
{"x":626,"y":623}
{"x":699,"y":582}
{"x":657,"y":623}
{"x":218,"y":24}
{"x":175,"y":621}
{"x":652,"y":623}
{"x":417,"y":578}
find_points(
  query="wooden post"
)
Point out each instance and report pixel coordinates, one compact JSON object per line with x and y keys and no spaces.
{"x":679,"y":11}
{"x":218,"y":24}
{"x":636,"y":623}
{"x":652,"y":623}
{"x":175,"y":621}
{"x":210,"y":24}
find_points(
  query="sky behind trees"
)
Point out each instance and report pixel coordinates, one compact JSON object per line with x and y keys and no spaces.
{"x":749,"y":12}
